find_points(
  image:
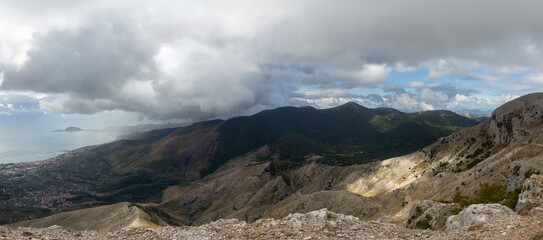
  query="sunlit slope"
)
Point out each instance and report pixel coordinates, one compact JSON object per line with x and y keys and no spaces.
{"x":392,"y":174}
{"x":505,"y":149}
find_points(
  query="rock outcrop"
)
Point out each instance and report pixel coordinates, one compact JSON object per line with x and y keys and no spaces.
{"x":512,"y":121}
{"x":531,"y":198}
{"x":429,"y":214}
{"x":478,"y":214}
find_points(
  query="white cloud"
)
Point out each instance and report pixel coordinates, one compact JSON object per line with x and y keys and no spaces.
{"x":428,"y":95}
{"x":373,"y":73}
{"x":534,"y":78}
{"x":508,"y":97}
{"x":444,"y":67}
{"x":462,"y":99}
{"x":416,"y":84}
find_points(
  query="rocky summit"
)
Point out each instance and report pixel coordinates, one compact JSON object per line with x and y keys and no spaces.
{"x":321,"y":224}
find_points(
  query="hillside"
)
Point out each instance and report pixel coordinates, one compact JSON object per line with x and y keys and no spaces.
{"x":503,"y":150}
{"x":290,"y":140}
{"x":103,"y":218}
{"x":498,"y":155}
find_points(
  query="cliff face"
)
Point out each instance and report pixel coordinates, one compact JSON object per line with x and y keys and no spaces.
{"x":517,"y":119}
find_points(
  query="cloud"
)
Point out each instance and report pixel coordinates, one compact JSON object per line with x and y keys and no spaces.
{"x":534,"y":78}
{"x":443,"y":67}
{"x":206,"y":59}
{"x":93,"y":62}
{"x":393,"y":87}
{"x":372,"y":74}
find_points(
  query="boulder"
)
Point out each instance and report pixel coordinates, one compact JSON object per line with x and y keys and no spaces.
{"x":478,"y":214}
{"x":322,"y":217}
{"x":428,"y":213}
{"x":531,"y":196}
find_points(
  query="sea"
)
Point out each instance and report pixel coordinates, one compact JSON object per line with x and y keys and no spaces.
{"x":32,"y":142}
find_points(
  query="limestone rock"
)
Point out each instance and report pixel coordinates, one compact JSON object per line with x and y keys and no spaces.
{"x":478,"y":214}
{"x":532,"y":195}
{"x":434,"y":213}
{"x":508,"y":122}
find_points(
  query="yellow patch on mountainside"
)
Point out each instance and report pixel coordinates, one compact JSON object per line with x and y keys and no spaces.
{"x":394,"y":173}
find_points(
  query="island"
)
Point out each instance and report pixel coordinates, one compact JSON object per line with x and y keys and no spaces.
{"x":69,"y":129}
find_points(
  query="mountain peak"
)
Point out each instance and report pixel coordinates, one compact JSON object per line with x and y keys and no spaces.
{"x":350,"y":106}
{"x":510,"y":121}
{"x":518,"y":104}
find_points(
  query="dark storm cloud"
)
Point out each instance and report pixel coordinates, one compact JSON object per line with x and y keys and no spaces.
{"x":93,"y":62}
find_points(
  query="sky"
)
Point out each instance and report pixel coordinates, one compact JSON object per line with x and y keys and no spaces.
{"x":157,"y":61}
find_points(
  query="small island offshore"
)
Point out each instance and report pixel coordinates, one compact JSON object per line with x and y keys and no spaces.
{"x":69,"y":129}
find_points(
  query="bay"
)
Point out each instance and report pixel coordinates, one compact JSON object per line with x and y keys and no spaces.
{"x":24,"y":144}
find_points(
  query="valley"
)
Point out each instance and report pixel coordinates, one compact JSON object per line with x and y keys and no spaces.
{"x":286,"y":151}
{"x":289,"y":160}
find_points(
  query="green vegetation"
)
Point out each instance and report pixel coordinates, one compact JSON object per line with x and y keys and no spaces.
{"x":516,"y":169}
{"x":511,"y":199}
{"x":479,"y":155}
{"x":487,"y":193}
{"x":528,"y":173}
{"x":473,"y":163}
{"x":346,"y":135}
{"x":476,"y":153}
{"x":538,"y":236}
{"x":490,"y":193}
{"x":424,"y":223}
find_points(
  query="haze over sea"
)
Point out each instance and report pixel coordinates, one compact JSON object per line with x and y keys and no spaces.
{"x":22,"y":140}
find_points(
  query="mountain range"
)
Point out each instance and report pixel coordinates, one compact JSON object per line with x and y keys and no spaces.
{"x":375,"y":164}
{"x":148,"y":168}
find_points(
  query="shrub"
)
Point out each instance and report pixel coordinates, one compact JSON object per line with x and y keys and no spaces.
{"x":512,"y":199}
{"x":490,"y":193}
{"x":473,"y":163}
{"x":516,"y":169}
{"x":538,"y":236}
{"x":462,"y":200}
{"x":456,"y":210}
{"x":487,"y":193}
{"x":528,"y":173}
{"x":423,"y":224}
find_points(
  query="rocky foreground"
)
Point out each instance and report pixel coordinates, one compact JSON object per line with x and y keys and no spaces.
{"x":321,"y":224}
